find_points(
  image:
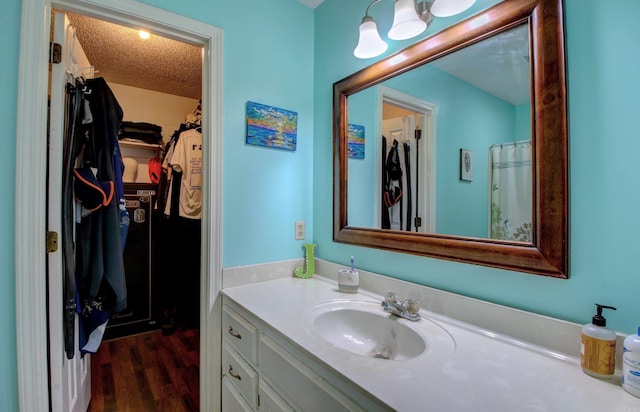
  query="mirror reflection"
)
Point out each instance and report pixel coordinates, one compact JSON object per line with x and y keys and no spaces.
{"x":447,"y":145}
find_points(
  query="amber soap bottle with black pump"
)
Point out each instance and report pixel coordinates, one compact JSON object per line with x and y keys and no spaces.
{"x":598,"y":347}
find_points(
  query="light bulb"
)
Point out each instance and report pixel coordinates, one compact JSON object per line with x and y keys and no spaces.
{"x":406,"y":22}
{"x":446,"y":8}
{"x":370,"y":44}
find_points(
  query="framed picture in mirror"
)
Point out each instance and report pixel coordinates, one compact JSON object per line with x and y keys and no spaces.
{"x":355,"y":140}
{"x":466,"y":165}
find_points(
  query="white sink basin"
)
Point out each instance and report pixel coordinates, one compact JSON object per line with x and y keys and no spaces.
{"x":365,"y":329}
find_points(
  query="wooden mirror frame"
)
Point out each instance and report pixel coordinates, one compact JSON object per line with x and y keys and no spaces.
{"x":548,"y":253}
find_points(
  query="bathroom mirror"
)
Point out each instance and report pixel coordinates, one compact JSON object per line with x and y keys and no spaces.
{"x":541,"y":122}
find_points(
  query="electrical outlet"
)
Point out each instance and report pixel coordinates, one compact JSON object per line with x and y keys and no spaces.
{"x":299,"y":230}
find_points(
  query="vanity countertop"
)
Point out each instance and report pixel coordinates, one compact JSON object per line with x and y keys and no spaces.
{"x":486,"y":372}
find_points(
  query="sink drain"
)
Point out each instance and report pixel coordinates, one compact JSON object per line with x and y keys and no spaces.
{"x":381,"y":352}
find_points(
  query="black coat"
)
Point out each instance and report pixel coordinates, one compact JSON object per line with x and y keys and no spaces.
{"x":99,"y":259}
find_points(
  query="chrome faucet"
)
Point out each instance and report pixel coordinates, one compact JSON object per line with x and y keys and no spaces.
{"x":407,"y":309}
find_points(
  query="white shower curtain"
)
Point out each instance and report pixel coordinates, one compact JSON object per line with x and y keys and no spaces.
{"x":511,"y":191}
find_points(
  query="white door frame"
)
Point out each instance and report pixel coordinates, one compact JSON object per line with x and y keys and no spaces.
{"x":427,"y":150}
{"x":31,"y":185}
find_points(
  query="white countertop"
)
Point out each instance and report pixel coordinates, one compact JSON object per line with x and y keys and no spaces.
{"x":485,"y":372}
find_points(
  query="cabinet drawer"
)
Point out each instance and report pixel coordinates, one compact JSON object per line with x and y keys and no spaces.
{"x":306,"y":390}
{"x":270,"y":401}
{"x":232,"y":401}
{"x":240,"y":374}
{"x":240,"y":334}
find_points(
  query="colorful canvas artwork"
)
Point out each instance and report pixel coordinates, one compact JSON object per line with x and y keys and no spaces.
{"x":355,"y":141}
{"x":271,"y":127}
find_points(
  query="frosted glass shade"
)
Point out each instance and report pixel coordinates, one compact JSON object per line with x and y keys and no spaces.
{"x":406,"y":22}
{"x":369,"y":44}
{"x":446,"y":8}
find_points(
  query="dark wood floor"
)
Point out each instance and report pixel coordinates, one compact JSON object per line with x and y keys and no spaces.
{"x":147,"y":372}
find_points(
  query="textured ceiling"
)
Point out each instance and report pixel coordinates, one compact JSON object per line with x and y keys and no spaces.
{"x":498,"y":65}
{"x":121,"y":56}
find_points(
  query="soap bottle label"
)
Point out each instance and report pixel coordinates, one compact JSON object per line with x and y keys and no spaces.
{"x":631,"y":372}
{"x":598,"y":355}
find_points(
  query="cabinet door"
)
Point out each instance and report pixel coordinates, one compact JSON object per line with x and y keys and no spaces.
{"x":232,"y":401}
{"x":297,"y":382}
{"x":270,"y":401}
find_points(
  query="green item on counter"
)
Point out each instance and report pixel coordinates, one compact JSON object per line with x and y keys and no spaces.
{"x":309,"y":262}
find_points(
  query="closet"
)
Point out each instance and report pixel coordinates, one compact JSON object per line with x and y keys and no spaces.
{"x":162,"y":250}
{"x":153,"y":109}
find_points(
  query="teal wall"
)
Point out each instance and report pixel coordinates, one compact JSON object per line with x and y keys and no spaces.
{"x":523,"y":123}
{"x":9,"y":39}
{"x":268,"y":59}
{"x":468,"y":118}
{"x":604,"y":86}
{"x":363,"y":108}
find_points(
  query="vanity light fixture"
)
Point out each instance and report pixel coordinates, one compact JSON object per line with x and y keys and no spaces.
{"x":410,"y":18}
{"x":446,"y":8}
{"x":406,"y":22}
{"x":370,"y":43}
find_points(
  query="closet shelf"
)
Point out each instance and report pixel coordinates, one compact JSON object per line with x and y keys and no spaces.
{"x":141,"y":145}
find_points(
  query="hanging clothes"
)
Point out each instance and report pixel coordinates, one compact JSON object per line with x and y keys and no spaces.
{"x":398,"y":203}
{"x":166,"y":200}
{"x":407,"y":170}
{"x":187,"y":159}
{"x":392,"y":194}
{"x":180,"y":188}
{"x":166,"y":179}
{"x":181,"y":209}
{"x":74,"y":134}
{"x":385,"y":223}
{"x":101,"y":284}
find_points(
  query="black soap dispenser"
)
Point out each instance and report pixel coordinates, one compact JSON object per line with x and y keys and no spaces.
{"x":598,"y":348}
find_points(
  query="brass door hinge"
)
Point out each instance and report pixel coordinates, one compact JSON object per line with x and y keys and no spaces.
{"x":52,"y":242}
{"x":55,"y":53}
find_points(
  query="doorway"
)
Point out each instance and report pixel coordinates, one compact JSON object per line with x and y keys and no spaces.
{"x":156,"y":82}
{"x":30,"y":215}
{"x":408,"y":125}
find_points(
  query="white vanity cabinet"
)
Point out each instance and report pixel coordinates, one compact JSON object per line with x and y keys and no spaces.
{"x":262,"y":371}
{"x":239,"y":362}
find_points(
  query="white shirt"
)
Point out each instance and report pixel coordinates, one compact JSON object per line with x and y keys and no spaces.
{"x":187,"y":159}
